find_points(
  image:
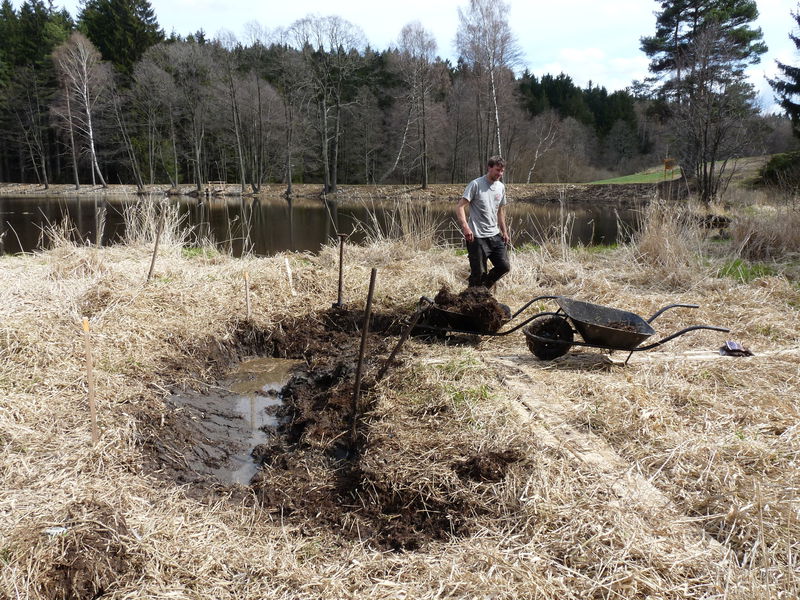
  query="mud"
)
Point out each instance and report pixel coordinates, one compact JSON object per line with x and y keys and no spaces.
{"x":488,"y":467}
{"x":623,"y":326}
{"x":89,"y":553}
{"x":311,"y":470}
{"x":312,"y":473}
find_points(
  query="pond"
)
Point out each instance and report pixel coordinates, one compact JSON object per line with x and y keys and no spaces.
{"x":267,"y":226}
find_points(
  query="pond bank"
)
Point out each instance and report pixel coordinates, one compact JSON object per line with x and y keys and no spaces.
{"x":625,"y":194}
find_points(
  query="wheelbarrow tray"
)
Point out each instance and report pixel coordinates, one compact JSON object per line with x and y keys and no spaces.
{"x":606,"y":327}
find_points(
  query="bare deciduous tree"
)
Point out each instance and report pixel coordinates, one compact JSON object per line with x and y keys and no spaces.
{"x":485,"y":41}
{"x":711,"y":127}
{"x":543,"y":133}
{"x":153,"y":100}
{"x":85,"y":79}
{"x":417,"y":52}
{"x":330,"y":50}
{"x":28,"y":97}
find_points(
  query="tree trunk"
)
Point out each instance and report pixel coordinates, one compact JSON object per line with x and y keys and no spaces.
{"x":424,"y":145}
{"x":325,"y":161}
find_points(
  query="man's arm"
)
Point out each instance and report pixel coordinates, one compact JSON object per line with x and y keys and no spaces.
{"x":461,"y":216}
{"x":501,"y":223}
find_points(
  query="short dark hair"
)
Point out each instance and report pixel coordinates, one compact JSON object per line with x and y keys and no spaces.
{"x":496,"y":161}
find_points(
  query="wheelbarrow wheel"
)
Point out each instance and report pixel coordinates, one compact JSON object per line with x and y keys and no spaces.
{"x":552,"y":328}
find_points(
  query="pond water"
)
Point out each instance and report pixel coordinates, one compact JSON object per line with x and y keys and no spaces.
{"x":268,"y":226}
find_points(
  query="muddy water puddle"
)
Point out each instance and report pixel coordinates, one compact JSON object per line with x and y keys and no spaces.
{"x":235,"y":416}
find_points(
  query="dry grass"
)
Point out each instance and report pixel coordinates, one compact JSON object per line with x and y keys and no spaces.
{"x":709,"y":445}
{"x":771,"y":233}
{"x":402,"y":220}
{"x":667,"y":245}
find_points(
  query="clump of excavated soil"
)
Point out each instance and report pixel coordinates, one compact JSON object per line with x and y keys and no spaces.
{"x":490,"y":466}
{"x":482,"y":310}
{"x":87,"y":556}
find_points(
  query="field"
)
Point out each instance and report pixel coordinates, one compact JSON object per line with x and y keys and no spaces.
{"x":472,"y":469}
{"x":650,"y":176}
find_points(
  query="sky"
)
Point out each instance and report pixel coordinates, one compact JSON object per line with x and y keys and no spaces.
{"x":589,"y":40}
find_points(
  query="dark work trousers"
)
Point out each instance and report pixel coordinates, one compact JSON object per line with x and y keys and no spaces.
{"x":482,"y":249}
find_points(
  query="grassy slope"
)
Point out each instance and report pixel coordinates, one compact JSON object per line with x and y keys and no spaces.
{"x":649,"y":176}
{"x":745,"y":170}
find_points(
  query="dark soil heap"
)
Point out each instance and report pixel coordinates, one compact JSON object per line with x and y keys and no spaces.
{"x":476,"y":303}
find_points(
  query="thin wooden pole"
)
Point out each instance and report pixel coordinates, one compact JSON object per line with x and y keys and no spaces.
{"x":362,"y":350}
{"x":247,"y":292}
{"x":342,"y":238}
{"x":403,"y":338}
{"x":90,"y":380}
{"x":155,"y":248}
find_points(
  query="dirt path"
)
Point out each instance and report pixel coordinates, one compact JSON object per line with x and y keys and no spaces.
{"x":550,"y":420}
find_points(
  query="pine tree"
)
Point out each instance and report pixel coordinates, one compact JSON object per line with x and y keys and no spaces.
{"x":681,"y":24}
{"x":9,"y":33}
{"x":121,"y":30}
{"x":699,"y":52}
{"x":24,"y":117}
{"x":787,"y":87}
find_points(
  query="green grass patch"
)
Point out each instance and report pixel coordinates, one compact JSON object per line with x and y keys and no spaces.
{"x":195,"y":252}
{"x":649,"y":176}
{"x":467,"y":397}
{"x":458,"y":367}
{"x":600,"y":248}
{"x":461,"y":251}
{"x":745,"y":272}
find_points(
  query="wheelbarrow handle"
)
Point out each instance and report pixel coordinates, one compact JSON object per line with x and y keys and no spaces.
{"x":666,"y":308}
{"x":527,"y":304}
{"x":681,"y":332}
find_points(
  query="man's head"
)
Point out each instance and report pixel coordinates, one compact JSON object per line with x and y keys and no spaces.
{"x":497,"y":166}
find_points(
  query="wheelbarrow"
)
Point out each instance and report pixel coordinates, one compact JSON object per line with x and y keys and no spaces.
{"x":551,"y":334}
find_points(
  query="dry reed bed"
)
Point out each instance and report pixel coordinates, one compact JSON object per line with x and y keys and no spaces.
{"x":718,"y":437}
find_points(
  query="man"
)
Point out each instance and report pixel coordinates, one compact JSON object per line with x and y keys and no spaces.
{"x":486,"y":231}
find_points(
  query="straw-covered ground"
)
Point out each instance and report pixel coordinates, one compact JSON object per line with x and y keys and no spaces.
{"x":473,"y":470}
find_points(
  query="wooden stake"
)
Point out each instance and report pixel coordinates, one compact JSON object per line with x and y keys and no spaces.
{"x":90,"y":381}
{"x":155,"y":248}
{"x":403,"y":338}
{"x":342,"y":238}
{"x":362,"y":349}
{"x":247,"y":292}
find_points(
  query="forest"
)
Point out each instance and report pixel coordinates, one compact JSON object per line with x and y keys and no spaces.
{"x":108,"y":97}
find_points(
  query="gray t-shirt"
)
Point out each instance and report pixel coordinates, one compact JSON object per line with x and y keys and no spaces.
{"x":485,"y":199}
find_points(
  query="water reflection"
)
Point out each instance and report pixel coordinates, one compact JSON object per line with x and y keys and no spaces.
{"x":265,"y":226}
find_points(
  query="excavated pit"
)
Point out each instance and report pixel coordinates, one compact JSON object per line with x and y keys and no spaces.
{"x":308,"y":464}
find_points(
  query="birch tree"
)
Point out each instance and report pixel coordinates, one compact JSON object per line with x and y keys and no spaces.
{"x":85,"y":80}
{"x":417,"y":49}
{"x":486,"y":43}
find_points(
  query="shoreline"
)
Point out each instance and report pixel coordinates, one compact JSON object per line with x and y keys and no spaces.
{"x":544,"y":193}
